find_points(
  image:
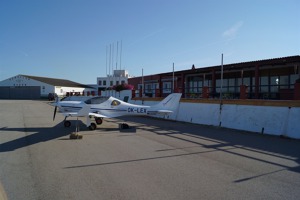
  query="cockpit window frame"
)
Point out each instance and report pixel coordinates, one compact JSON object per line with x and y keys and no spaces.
{"x":96,"y":100}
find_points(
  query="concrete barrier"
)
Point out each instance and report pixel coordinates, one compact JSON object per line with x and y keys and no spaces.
{"x":273,"y":118}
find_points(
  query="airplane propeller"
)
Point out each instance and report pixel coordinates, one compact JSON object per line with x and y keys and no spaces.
{"x":54,"y":114}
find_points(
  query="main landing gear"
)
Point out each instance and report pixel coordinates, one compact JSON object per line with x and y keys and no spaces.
{"x":67,"y":124}
{"x":98,"y":121}
{"x":92,"y":125}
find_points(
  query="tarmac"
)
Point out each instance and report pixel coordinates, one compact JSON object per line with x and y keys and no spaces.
{"x":154,"y":159}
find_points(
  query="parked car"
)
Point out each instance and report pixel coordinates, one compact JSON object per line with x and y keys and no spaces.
{"x":52,"y":96}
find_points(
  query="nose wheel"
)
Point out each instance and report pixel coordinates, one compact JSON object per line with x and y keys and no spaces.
{"x":93,"y":126}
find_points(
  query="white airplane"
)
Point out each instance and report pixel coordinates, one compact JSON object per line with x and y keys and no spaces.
{"x":110,"y":107}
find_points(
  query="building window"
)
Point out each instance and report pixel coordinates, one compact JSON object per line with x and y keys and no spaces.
{"x":123,"y":82}
{"x":104,"y":83}
{"x":264,"y":84}
{"x":100,"y":83}
{"x":111,"y":83}
{"x":293,"y":79}
{"x":148,"y":88}
{"x":167,"y":87}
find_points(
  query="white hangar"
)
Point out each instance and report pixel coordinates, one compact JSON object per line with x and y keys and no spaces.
{"x":34,"y":87}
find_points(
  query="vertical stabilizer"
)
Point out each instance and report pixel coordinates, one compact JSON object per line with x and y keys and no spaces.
{"x":170,"y":103}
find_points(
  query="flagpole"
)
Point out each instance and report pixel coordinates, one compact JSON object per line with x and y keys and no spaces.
{"x":173,"y":89}
{"x":221,"y":92}
{"x":142,"y":82}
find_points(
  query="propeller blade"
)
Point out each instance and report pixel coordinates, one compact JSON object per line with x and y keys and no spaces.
{"x":54,"y":112}
{"x":56,"y":103}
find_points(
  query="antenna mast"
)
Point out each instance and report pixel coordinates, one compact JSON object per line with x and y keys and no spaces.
{"x":121,"y":55}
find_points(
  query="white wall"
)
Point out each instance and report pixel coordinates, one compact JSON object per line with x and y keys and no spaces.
{"x":61,"y":91}
{"x":270,"y":120}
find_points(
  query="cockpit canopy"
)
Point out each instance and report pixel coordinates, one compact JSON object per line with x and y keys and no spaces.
{"x":96,"y":100}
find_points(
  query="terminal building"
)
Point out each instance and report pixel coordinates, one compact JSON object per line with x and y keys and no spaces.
{"x":262,"y":79}
{"x":117,"y":78}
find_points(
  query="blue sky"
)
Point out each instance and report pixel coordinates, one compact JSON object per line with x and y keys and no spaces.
{"x":68,"y":38}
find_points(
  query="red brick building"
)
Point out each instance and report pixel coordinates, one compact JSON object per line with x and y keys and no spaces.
{"x":262,"y":79}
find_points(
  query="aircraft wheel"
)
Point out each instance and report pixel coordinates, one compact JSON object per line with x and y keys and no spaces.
{"x":93,"y":126}
{"x":67,"y":123}
{"x":99,"y":120}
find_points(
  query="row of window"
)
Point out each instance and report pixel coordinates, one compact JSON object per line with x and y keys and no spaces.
{"x":266,"y":83}
{"x":18,"y":77}
{"x":20,"y":85}
{"x":103,"y":83}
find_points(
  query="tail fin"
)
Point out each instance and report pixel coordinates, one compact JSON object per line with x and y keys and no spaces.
{"x":169,"y":104}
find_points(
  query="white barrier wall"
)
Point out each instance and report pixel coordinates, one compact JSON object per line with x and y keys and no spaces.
{"x":271,"y":120}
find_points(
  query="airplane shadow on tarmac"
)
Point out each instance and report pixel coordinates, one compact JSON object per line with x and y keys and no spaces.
{"x":225,"y":140}
{"x":35,"y":135}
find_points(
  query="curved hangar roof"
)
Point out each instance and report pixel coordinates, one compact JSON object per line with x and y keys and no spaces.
{"x":56,"y":82}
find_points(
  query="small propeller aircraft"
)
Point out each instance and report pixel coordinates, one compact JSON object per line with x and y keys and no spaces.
{"x":110,"y":107}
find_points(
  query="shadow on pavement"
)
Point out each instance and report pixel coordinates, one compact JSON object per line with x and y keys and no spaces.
{"x":35,"y":135}
{"x":224,"y":139}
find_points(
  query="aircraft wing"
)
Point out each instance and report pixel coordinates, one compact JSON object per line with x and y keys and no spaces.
{"x":76,"y":114}
{"x":98,"y":115}
{"x":70,"y":114}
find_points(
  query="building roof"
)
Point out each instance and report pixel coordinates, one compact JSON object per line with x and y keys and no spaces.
{"x":272,"y":61}
{"x":57,"y":82}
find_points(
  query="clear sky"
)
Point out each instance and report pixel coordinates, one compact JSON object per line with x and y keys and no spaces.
{"x":69,"y":38}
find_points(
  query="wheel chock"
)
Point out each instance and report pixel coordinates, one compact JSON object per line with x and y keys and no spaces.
{"x":75,"y":136}
{"x":124,"y":126}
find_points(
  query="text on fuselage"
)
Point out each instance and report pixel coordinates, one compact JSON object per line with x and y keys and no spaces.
{"x":137,"y":110}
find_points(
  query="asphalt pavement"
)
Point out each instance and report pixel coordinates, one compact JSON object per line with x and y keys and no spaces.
{"x":154,"y":159}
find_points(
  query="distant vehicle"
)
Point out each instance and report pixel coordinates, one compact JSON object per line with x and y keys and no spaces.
{"x":52,"y":96}
{"x":110,"y":107}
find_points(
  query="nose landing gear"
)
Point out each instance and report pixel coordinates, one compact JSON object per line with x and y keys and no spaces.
{"x":93,"y":126}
